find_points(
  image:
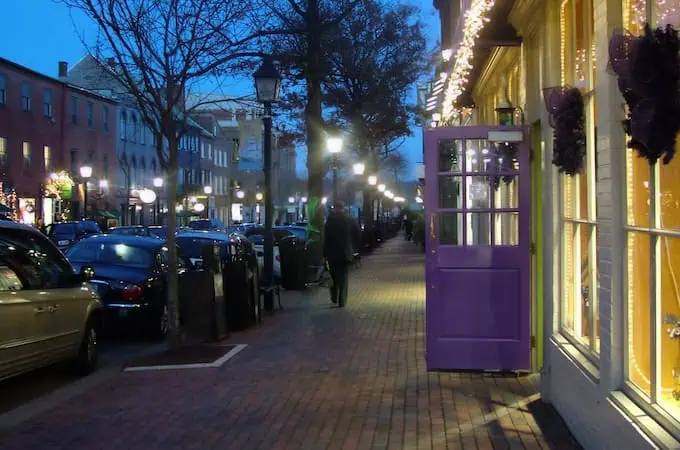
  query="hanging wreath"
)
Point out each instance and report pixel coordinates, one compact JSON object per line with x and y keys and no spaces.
{"x":567,"y":118}
{"x":647,"y":69}
{"x":504,"y":159}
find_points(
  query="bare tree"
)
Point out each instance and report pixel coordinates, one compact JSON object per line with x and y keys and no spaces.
{"x":162,"y":50}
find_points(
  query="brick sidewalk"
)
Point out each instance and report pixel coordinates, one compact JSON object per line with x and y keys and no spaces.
{"x":312,"y":377}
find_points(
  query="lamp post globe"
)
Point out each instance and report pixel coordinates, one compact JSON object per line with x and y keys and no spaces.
{"x":359,"y":168}
{"x":158,"y":182}
{"x":85,"y":174}
{"x":372,"y":180}
{"x":207,"y":190}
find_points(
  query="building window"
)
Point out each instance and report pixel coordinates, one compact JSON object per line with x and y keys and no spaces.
{"x":652,"y":256}
{"x":4,"y":155}
{"x":123,"y":125}
{"x":74,"y":162}
{"x":47,"y":156}
{"x":133,"y":135}
{"x":27,"y":154}
{"x":579,"y":318}
{"x":90,"y":114}
{"x":47,"y":103}
{"x":3,"y":89}
{"x":154,"y":166}
{"x":105,"y":117}
{"x":25,"y":96}
{"x":74,"y":109}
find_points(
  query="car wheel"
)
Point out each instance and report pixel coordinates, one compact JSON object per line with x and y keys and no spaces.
{"x":88,"y":356}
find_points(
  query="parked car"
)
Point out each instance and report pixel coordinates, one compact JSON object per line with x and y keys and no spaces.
{"x":256,"y":236}
{"x":141,"y":230}
{"x":48,"y":313}
{"x":130,"y":275}
{"x":65,"y":234}
{"x":302,"y":232}
{"x":207,"y":224}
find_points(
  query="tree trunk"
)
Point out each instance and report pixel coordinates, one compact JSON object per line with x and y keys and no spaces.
{"x":314,"y":119}
{"x":174,"y":335}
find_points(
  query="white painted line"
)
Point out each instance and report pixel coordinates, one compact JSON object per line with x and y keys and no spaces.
{"x":217,"y":363}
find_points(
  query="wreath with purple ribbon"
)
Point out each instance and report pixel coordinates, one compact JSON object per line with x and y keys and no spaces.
{"x":647,"y":68}
{"x":567,"y":118}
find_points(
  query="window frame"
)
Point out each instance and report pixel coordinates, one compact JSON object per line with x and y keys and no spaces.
{"x":26,"y":94}
{"x":26,"y":161}
{"x":4,"y":152}
{"x":3,"y":89}
{"x":47,"y":157}
{"x":90,"y":114}
{"x":589,"y":349}
{"x":48,"y":99}
{"x":74,"y":110}
{"x":105,"y":118}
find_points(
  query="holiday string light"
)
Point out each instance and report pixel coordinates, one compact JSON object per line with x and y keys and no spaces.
{"x":475,"y":18}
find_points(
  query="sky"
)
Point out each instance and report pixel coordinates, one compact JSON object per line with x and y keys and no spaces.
{"x":40,"y":33}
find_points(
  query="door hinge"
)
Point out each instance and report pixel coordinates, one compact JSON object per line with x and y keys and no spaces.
{"x":533,"y":341}
{"x":533,"y":248}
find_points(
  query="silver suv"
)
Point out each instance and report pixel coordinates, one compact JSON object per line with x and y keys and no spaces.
{"x":48,"y":313}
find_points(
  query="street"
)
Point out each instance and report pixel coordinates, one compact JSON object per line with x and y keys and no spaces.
{"x":312,"y":376}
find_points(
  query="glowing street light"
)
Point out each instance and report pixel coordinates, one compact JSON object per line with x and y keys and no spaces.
{"x":291,"y":199}
{"x":372,"y":180}
{"x":240,"y":194}
{"x":158,"y":182}
{"x":259,"y":196}
{"x":359,"y":168}
{"x":334,"y":145}
{"x":207,"y":190}
{"x":85,"y":173}
{"x":382,"y":187}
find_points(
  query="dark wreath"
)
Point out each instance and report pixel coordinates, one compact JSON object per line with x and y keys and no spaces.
{"x":504,"y":157}
{"x":567,"y":118}
{"x":647,"y":68}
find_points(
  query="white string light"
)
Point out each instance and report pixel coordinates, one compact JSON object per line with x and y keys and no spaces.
{"x":475,"y":18}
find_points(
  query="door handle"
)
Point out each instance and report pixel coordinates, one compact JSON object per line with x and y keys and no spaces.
{"x":432,"y":233}
{"x":39,"y":310}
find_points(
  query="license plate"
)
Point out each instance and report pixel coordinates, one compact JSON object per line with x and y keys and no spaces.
{"x":122,"y":313}
{"x":63,"y":242}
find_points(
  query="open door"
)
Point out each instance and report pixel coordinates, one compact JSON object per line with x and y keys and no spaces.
{"x":478,"y":213}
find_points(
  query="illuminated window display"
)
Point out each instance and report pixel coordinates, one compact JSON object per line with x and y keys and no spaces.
{"x":579,"y":309}
{"x":653,"y":254}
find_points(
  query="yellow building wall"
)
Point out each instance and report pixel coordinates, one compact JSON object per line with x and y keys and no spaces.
{"x":504,"y":62}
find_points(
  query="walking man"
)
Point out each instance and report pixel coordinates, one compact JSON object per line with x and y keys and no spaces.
{"x":341,"y":240}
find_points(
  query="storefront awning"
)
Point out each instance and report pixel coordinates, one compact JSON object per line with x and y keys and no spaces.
{"x":107,"y":214}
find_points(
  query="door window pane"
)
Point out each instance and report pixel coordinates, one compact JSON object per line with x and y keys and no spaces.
{"x":670,"y":311}
{"x":506,"y":231}
{"x":478,"y":192}
{"x":504,"y":157}
{"x":669,"y":196}
{"x":450,"y":191}
{"x":451,"y":228}
{"x":507,"y":194}
{"x":568,"y":196}
{"x":637,"y":190}
{"x":477,"y":156}
{"x":478,"y":229}
{"x":639,"y":310}
{"x":585,"y":294}
{"x":450,"y":155}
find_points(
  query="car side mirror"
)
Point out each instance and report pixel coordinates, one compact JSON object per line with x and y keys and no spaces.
{"x":86,"y":273}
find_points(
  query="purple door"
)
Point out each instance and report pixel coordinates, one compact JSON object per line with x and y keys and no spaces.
{"x":477,"y":212}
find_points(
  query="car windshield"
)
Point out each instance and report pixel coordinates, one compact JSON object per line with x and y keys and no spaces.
{"x":111,"y":253}
{"x":299,"y":233}
{"x":201,"y":225}
{"x":91,"y":227}
{"x":132,"y":231}
{"x":191,"y":247}
{"x":160,"y":232}
{"x":64,"y":228}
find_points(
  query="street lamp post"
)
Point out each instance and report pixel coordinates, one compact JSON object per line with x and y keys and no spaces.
{"x":207,"y":190}
{"x":85,"y":174}
{"x":158,"y":184}
{"x":258,"y":200}
{"x":267,"y":84}
{"x":335,"y":147}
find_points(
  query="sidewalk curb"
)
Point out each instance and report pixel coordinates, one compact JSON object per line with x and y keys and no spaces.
{"x":39,"y":405}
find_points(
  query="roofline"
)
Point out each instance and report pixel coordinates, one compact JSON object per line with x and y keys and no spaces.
{"x":66,"y":84}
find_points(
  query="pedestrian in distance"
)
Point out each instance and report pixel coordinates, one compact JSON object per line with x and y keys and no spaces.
{"x":340,"y":242}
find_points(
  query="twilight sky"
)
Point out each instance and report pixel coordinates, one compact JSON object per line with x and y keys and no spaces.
{"x":39,"y":33}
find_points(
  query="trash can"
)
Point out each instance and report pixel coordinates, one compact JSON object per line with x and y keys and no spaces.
{"x":293,"y":263}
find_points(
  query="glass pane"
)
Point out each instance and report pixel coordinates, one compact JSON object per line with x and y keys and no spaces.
{"x":568,"y":196}
{"x":505,"y":156}
{"x":582,"y":183}
{"x":637,"y":190}
{"x":506,"y":229}
{"x":479,"y":229}
{"x":595,"y":299}
{"x":634,"y":17}
{"x":586,"y":291}
{"x":667,"y":14}
{"x":670,"y":311}
{"x":507,"y":194}
{"x":450,"y":155}
{"x":477,"y":192}
{"x":639,"y":310}
{"x":477,"y":156}
{"x":568,"y":281}
{"x":669,"y":193}
{"x":451,"y":228}
{"x":450,"y":191}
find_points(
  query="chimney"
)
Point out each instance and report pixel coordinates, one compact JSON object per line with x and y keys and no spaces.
{"x":63,"y":69}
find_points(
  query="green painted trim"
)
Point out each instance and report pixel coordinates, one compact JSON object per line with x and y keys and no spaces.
{"x":537,"y":238}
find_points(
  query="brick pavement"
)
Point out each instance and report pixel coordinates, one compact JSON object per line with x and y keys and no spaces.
{"x":313,"y":377}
